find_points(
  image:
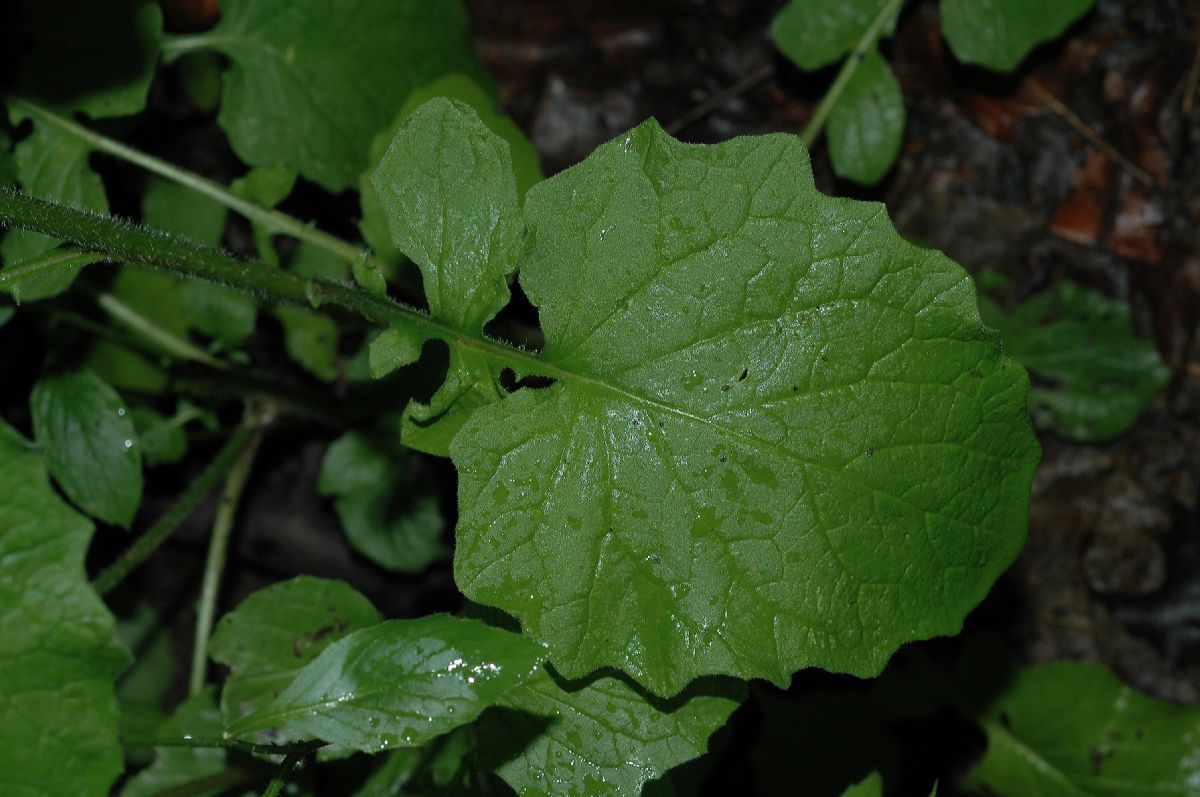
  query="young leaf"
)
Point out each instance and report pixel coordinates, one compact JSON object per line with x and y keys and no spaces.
{"x":381,"y":516}
{"x":1098,"y":375}
{"x":51,"y":164}
{"x":176,"y":766}
{"x":866,"y":126}
{"x":557,"y":737}
{"x":275,"y":632}
{"x":98,"y":58}
{"x":999,"y":34}
{"x":400,"y":683}
{"x":870,"y":786}
{"x":311,"y":83}
{"x":311,"y":340}
{"x":90,"y":444}
{"x":780,"y":436}
{"x":447,"y":185}
{"x":169,"y":206}
{"x":1072,"y":729}
{"x":58,"y":659}
{"x":527,"y":168}
{"x":815,"y":33}
{"x":161,"y":439}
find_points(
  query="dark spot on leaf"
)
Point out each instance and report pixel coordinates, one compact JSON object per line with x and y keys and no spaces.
{"x":1099,"y":755}
{"x":1005,"y":720}
{"x":870,"y":453}
{"x":724,"y":388}
{"x":723,"y":458}
{"x":795,"y":388}
{"x":742,"y":376}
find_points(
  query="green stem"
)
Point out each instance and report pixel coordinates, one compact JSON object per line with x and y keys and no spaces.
{"x":173,"y":47}
{"x":273,"y":220}
{"x":163,"y":338}
{"x":221,"y":742}
{"x":218,"y":548}
{"x":285,"y":769}
{"x":812,"y":130}
{"x":125,"y":243}
{"x":149,"y":542}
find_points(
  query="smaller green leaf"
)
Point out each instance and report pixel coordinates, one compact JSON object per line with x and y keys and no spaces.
{"x":447,"y":185}
{"x":175,"y":766}
{"x":866,"y":126}
{"x":1096,"y":375}
{"x":98,"y":58}
{"x":167,"y":205}
{"x":393,"y":348}
{"x":161,"y":439}
{"x":272,"y":634}
{"x":384,"y":519}
{"x":90,"y":444}
{"x":51,"y":164}
{"x":58,"y":658}
{"x":598,"y":736}
{"x":158,"y":297}
{"x":221,"y":312}
{"x":368,"y":276}
{"x":311,"y":340}
{"x":870,"y":786}
{"x":999,"y":34}
{"x":815,"y":33}
{"x":1073,"y":729}
{"x":124,"y":368}
{"x":266,"y":185}
{"x":400,"y":683}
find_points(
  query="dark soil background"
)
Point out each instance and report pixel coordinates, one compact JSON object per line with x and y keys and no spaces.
{"x":995,"y":171}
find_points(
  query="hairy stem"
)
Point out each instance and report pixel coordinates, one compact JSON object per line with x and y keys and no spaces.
{"x":273,"y":220}
{"x":125,"y":243}
{"x":812,"y":130}
{"x":149,"y":542}
{"x":218,"y":547}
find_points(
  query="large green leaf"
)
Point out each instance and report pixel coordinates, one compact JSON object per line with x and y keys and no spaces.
{"x":999,"y":34}
{"x":276,"y":631}
{"x":448,"y":187}
{"x":90,"y":444}
{"x":779,"y":435}
{"x":313,"y":81}
{"x":815,"y":33}
{"x":51,"y":164}
{"x":89,"y":56}
{"x":58,"y":659}
{"x":1073,"y":730}
{"x":399,"y":683}
{"x":866,"y":126}
{"x":599,"y":737}
{"x":1097,"y":376}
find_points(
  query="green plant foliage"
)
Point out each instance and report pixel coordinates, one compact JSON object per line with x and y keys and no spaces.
{"x":53,"y":165}
{"x":597,"y":737}
{"x":197,"y":717}
{"x":399,"y":683}
{"x":870,"y":786}
{"x":1096,"y":376}
{"x":161,"y":439}
{"x":90,"y":444}
{"x":174,"y":208}
{"x":526,"y":167}
{"x":816,"y":33}
{"x":448,"y":187}
{"x":58,"y":660}
{"x":88,"y":56}
{"x":383,"y":517}
{"x":866,"y":127}
{"x":999,"y":34}
{"x":773,"y":426}
{"x":1073,"y":729}
{"x":312,"y":83}
{"x":274,"y":633}
{"x":311,"y":340}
